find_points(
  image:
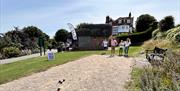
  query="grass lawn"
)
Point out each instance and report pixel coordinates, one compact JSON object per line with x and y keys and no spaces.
{"x":133,"y":50}
{"x":12,"y":71}
{"x":134,"y":84}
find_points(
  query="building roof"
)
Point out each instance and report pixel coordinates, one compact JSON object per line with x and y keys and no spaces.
{"x":116,"y":22}
{"x":94,"y":30}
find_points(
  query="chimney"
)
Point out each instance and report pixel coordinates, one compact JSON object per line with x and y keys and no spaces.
{"x":107,"y":19}
{"x":130,"y":14}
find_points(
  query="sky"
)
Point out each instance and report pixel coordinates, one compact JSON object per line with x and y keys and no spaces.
{"x":51,"y":15}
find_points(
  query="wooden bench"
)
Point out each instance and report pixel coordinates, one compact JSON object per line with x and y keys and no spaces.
{"x":156,"y":55}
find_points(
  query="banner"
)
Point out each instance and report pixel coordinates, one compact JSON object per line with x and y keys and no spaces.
{"x":72,"y":31}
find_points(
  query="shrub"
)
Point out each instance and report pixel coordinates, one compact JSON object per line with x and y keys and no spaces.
{"x":165,"y":77}
{"x":176,"y":37}
{"x":166,"y":23}
{"x":11,"y":52}
{"x":36,"y":50}
{"x":160,"y":35}
{"x":150,"y":44}
{"x":154,"y":33}
{"x":138,"y":37}
{"x":1,"y":56}
{"x":173,"y":35}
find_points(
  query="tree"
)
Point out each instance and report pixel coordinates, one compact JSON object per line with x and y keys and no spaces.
{"x":17,"y":38}
{"x":61,"y":35}
{"x":32,"y":31}
{"x":166,"y":23}
{"x":144,"y":22}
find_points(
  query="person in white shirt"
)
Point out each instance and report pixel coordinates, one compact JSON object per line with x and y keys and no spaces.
{"x":127,"y":43}
{"x":121,"y":47}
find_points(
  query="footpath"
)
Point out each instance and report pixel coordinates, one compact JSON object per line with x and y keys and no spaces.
{"x":10,"y":60}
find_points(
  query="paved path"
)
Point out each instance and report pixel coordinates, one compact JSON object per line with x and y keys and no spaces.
{"x":93,"y":73}
{"x":10,"y":60}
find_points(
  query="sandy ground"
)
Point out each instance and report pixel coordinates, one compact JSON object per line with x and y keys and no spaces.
{"x":93,"y":73}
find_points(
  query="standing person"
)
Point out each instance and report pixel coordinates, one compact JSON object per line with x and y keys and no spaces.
{"x":127,"y":43}
{"x":105,"y":44}
{"x":121,"y":47}
{"x":113,"y":46}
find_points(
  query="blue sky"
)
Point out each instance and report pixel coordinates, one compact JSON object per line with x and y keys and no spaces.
{"x":51,"y":15}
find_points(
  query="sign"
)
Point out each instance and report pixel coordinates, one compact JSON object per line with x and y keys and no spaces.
{"x":73,"y":32}
{"x":50,"y":55}
{"x":41,"y":42}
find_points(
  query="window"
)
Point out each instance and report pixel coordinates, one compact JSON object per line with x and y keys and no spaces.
{"x":122,"y":27}
{"x":120,"y":21}
{"x":128,"y":21}
{"x":127,"y":27}
{"x":125,"y":21}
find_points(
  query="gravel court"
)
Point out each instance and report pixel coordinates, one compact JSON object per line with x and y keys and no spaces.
{"x":93,"y":73}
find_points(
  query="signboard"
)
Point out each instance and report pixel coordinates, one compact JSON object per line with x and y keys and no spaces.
{"x":50,"y":55}
{"x":72,"y":31}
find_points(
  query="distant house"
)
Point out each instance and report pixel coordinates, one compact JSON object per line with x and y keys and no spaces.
{"x":121,"y":25}
{"x":90,"y":36}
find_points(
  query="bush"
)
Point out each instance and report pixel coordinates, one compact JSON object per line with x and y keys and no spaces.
{"x":1,"y":56}
{"x":36,"y":50}
{"x":173,"y":35}
{"x":160,"y":35}
{"x":151,"y":44}
{"x":11,"y":52}
{"x":166,"y":23}
{"x":165,"y":77}
{"x":138,"y":37}
{"x":154,"y":33}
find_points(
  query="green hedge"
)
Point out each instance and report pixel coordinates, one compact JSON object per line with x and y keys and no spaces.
{"x":9,"y":52}
{"x":137,"y":37}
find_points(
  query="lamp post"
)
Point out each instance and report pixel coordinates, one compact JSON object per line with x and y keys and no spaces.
{"x":41,"y":45}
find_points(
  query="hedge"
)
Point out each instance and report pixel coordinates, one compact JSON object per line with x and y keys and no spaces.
{"x":138,"y":37}
{"x":11,"y":52}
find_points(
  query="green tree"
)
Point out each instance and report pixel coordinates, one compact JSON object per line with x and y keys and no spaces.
{"x":32,"y":31}
{"x":166,"y":23}
{"x":144,"y":22}
{"x":52,"y":43}
{"x":61,"y":35}
{"x":16,"y":38}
